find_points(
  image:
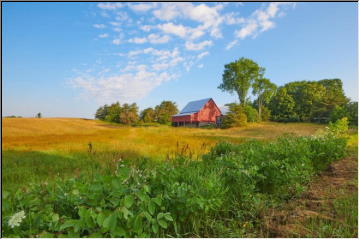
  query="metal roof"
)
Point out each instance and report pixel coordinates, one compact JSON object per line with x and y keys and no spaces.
{"x":194,"y":106}
{"x":183,"y":114}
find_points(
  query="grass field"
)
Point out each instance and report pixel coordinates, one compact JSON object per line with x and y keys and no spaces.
{"x":38,"y":149}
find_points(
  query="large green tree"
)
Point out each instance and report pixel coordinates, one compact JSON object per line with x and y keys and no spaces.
{"x":164,"y":111}
{"x":264,"y":90}
{"x":113,"y":114}
{"x":147,"y":115}
{"x":129,"y":114}
{"x":282,"y":106}
{"x":238,"y":77}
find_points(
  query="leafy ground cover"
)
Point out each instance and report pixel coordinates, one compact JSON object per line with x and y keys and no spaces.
{"x":223,"y":194}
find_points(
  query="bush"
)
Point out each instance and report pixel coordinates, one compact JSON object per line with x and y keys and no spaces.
{"x":235,"y":117}
{"x":251,"y":113}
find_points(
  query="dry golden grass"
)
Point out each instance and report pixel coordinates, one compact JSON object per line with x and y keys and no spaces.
{"x":73,"y":135}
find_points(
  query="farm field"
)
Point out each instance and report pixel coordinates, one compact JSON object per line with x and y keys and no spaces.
{"x":39,"y":149}
{"x":152,"y":181}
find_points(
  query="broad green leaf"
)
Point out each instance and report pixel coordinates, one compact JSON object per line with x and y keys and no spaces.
{"x":126,"y":212}
{"x":151,"y":207}
{"x":162,"y":223}
{"x":168,"y":217}
{"x":147,"y":215}
{"x":110,"y":222}
{"x":68,"y":223}
{"x":155,"y":228}
{"x":55,"y":217}
{"x":128,"y":201}
{"x":157,"y":200}
{"x":118,"y":232}
{"x":100,"y":219}
{"x":138,"y":224}
{"x":160,"y":216}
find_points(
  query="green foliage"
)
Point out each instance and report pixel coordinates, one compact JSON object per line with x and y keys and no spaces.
{"x":129,"y":114}
{"x":349,"y":110}
{"x":164,"y":111}
{"x":236,"y":116}
{"x":125,"y":114}
{"x":229,"y":187}
{"x":264,"y":90}
{"x":239,"y":75}
{"x":251,"y":113}
{"x":339,"y":128}
{"x":317,"y":101}
{"x":282,"y":107}
{"x":147,"y":115}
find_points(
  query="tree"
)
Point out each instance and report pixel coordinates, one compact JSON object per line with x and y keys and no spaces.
{"x":128,"y":114}
{"x":305,"y":95}
{"x":235,"y":116}
{"x":164,"y":111}
{"x":239,"y":75}
{"x":282,"y":106}
{"x":102,"y":112}
{"x":113,"y":114}
{"x":38,"y":115}
{"x":147,"y":115}
{"x":264,"y":90}
{"x":333,"y":96}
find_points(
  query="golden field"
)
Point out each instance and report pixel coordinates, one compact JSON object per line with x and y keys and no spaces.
{"x":39,"y":149}
{"x":68,"y":135}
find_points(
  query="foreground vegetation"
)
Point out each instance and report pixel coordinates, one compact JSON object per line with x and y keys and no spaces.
{"x":222,"y":194}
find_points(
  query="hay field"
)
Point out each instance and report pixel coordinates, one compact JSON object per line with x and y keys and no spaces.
{"x":38,"y":149}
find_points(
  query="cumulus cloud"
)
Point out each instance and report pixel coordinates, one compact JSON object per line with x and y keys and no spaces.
{"x":261,"y":20}
{"x":99,"y":26}
{"x":171,"y":28}
{"x":231,"y":44}
{"x":110,"y":6}
{"x":116,"y":41}
{"x":197,"y":46}
{"x":104,"y":35}
{"x":142,"y":7}
{"x":126,"y":87}
{"x":138,"y":40}
{"x":201,"y":55}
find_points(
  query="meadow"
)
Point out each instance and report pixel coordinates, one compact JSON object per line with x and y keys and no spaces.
{"x":159,"y":181}
{"x":39,"y":149}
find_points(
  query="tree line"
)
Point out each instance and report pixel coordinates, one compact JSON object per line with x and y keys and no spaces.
{"x":320,"y":101}
{"x":301,"y":101}
{"x":129,"y":113}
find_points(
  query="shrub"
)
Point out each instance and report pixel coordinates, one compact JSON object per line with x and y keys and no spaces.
{"x":235,"y":117}
{"x":251,"y":113}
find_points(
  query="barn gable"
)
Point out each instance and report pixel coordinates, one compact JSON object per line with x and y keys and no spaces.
{"x":197,"y":113}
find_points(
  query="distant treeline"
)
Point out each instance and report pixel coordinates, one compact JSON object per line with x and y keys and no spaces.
{"x":129,"y":113}
{"x":312,"y":101}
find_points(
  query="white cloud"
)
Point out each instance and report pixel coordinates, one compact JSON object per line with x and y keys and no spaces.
{"x":154,"y":38}
{"x":142,"y":7}
{"x":261,"y":20}
{"x":116,"y":24}
{"x":171,"y":28}
{"x":126,"y":87}
{"x":138,"y":40}
{"x":104,"y":35}
{"x":146,"y":28}
{"x":200,"y":65}
{"x":110,"y":6}
{"x":116,"y":41}
{"x":231,"y":44}
{"x":99,"y":26}
{"x":167,"y":11}
{"x":197,"y":46}
{"x":201,"y":55}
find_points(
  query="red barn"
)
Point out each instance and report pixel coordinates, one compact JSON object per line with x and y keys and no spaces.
{"x":197,"y":113}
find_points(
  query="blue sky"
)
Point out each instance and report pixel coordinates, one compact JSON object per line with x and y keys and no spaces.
{"x":67,"y":59}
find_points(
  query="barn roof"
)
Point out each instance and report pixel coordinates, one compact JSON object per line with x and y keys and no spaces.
{"x":194,"y":106}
